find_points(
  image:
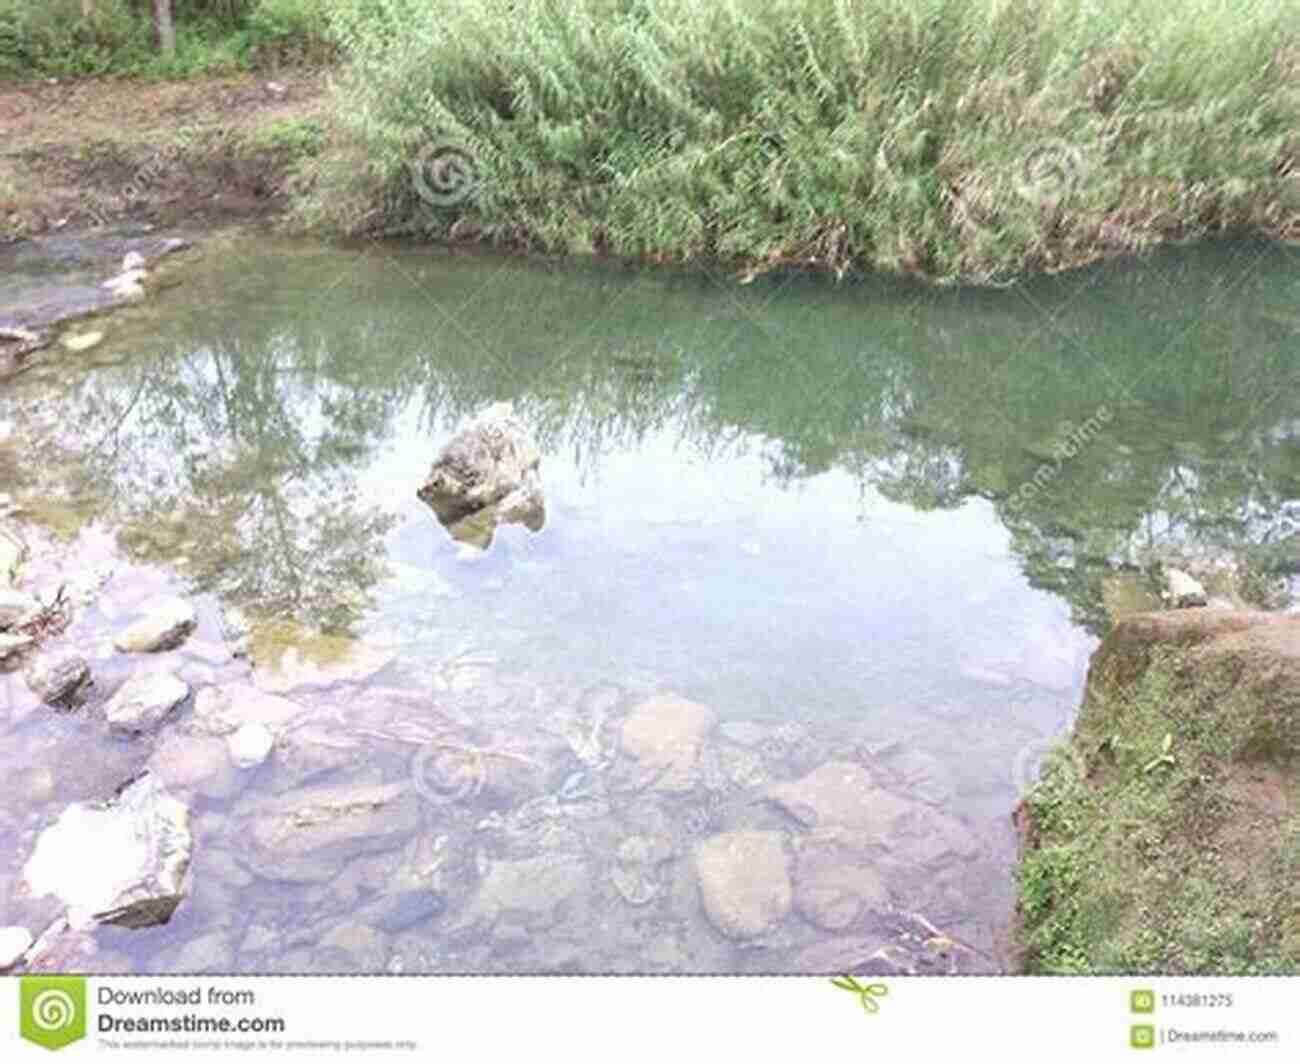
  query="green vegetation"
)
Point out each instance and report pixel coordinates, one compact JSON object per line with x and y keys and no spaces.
{"x":56,"y":37}
{"x":967,"y":139}
{"x":1164,"y":838}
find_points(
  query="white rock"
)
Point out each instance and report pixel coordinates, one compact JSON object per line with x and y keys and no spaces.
{"x":122,"y":861}
{"x":132,"y":260}
{"x":167,"y":622}
{"x":15,"y":606}
{"x":11,"y":644}
{"x":82,"y":341}
{"x":222,"y":710}
{"x":1184,"y":590}
{"x":145,"y":700}
{"x":250,"y":744}
{"x":14,"y":943}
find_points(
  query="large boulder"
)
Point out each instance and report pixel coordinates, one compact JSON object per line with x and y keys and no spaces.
{"x":487,"y":473}
{"x":744,"y":879}
{"x":121,"y":862}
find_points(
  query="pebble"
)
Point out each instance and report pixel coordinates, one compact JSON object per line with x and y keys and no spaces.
{"x":250,"y":744}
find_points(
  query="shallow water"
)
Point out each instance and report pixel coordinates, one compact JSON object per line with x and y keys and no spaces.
{"x":836,"y":513}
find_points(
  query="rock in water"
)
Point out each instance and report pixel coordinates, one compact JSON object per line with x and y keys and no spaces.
{"x":308,"y":835}
{"x":14,"y":943}
{"x":1184,"y":590}
{"x":16,"y":607}
{"x":744,"y":881}
{"x":662,"y":738}
{"x":492,"y":461}
{"x":120,"y":862}
{"x":166,"y":624}
{"x":57,"y":679}
{"x":250,"y":744}
{"x":145,"y":700}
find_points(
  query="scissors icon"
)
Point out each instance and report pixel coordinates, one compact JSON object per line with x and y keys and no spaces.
{"x":865,"y":993}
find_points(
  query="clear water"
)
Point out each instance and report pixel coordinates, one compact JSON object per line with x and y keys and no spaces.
{"x":806,"y":506}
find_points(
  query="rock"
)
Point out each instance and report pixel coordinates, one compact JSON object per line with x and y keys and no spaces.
{"x":744,"y":879}
{"x":14,"y":944}
{"x":236,"y":630}
{"x":226,"y":709}
{"x":16,"y":607}
{"x":132,"y":260}
{"x":166,"y":624}
{"x":211,"y":952}
{"x":311,"y":750}
{"x":842,"y":794}
{"x":77,"y":342}
{"x":745,"y":733}
{"x":186,"y":761}
{"x":528,"y":891}
{"x":296,"y":672}
{"x":58,"y":679}
{"x":143,"y":702}
{"x":308,"y":835}
{"x":662,"y":736}
{"x":1184,"y":591}
{"x":491,"y":460}
{"x":360,"y":947}
{"x":836,"y":885}
{"x":121,"y":862}
{"x":250,"y":744}
{"x":11,"y":644}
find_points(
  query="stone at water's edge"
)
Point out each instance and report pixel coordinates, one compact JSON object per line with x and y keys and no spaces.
{"x":744,"y":879}
{"x":12,"y":553}
{"x":662,"y":738}
{"x":15,"y":607}
{"x":145,"y":700}
{"x":11,"y":644}
{"x":491,"y":462}
{"x":1183,"y":590}
{"x":166,"y":624}
{"x":121,"y":862}
{"x":57,"y":679}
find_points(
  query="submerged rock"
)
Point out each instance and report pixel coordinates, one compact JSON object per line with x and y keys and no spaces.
{"x":744,"y":879}
{"x":145,"y":700}
{"x":842,"y":794}
{"x":226,"y":709}
{"x":307,"y":836}
{"x":121,"y":862}
{"x":662,"y":738}
{"x":836,"y":883}
{"x":57,"y":679}
{"x":250,"y":744}
{"x":487,"y":472}
{"x":529,"y":890}
{"x":166,"y":624}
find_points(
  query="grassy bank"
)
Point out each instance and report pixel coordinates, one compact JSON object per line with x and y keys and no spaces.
{"x":955,"y":138}
{"x":56,"y":38}
{"x":1165,"y":837}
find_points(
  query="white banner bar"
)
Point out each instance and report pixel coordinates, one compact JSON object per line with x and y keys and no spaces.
{"x":275,"y":1018}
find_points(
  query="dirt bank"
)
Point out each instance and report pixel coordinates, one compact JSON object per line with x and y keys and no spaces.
{"x":1165,"y":836}
{"x":81,"y":153}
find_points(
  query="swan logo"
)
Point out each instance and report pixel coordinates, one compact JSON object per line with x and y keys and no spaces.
{"x":52,"y":1010}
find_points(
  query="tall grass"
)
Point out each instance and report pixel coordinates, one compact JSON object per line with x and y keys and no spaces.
{"x":957,"y":138}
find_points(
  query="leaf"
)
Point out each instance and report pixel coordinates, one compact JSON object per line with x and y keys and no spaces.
{"x":1169,"y":742}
